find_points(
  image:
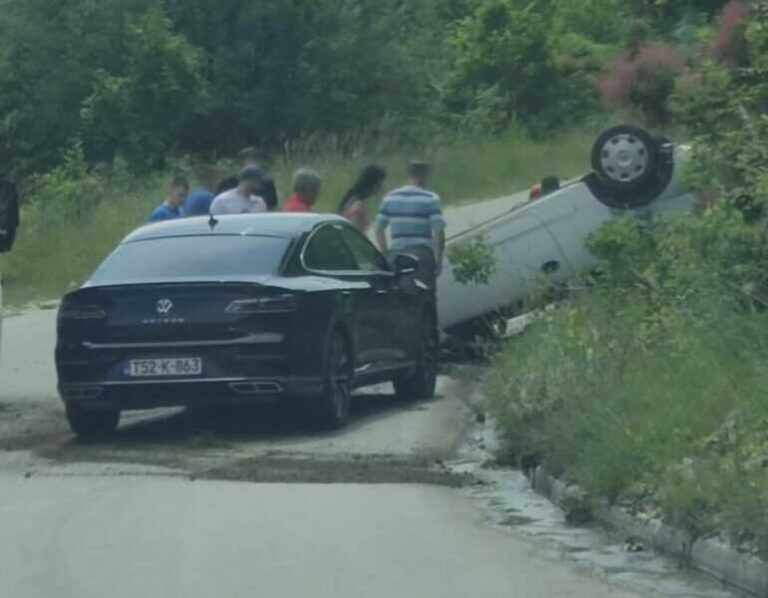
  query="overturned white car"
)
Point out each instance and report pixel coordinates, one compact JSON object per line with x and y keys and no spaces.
{"x":633,"y":173}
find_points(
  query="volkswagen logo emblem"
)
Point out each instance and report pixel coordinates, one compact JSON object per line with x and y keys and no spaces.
{"x":164,"y":307}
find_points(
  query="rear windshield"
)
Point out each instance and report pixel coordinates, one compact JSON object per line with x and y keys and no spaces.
{"x":191,"y":257}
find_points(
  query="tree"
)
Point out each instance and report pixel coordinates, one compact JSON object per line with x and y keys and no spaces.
{"x":140,"y":107}
{"x":504,"y":62}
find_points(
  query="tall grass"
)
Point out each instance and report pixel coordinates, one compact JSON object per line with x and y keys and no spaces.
{"x":73,"y":217}
{"x":663,"y":409}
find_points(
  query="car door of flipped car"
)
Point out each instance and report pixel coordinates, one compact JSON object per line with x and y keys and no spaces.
{"x":328,"y":255}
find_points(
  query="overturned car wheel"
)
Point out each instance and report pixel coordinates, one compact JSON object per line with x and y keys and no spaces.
{"x":631,"y":168}
{"x":625,"y":158}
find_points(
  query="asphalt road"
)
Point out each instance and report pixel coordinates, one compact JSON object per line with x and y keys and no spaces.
{"x":251,"y":503}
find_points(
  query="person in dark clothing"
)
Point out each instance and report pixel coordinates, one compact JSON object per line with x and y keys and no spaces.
{"x":9,"y":214}
{"x":268,"y":192}
{"x":549,"y":184}
{"x":198,"y":203}
{"x":353,"y":204}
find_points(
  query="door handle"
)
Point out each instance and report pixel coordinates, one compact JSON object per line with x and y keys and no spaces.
{"x":382,"y":292}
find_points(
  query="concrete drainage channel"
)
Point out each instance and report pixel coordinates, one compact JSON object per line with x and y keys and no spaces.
{"x":713,"y":558}
{"x":625,"y":555}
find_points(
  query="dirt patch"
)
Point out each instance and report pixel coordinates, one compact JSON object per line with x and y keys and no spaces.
{"x":350,"y":469}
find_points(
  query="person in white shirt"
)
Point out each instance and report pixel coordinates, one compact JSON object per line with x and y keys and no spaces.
{"x":243,"y":199}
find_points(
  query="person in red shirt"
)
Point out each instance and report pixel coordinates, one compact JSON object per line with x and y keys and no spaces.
{"x":306,"y":189}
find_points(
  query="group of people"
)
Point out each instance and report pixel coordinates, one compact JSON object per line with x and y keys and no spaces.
{"x":412,"y":213}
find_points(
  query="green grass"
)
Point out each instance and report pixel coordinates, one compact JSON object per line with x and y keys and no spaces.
{"x":61,"y":242}
{"x":661,"y":409}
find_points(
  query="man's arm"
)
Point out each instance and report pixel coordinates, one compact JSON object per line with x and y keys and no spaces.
{"x":382,"y":222}
{"x":438,"y":236}
{"x":381,"y":238}
{"x":438,"y":241}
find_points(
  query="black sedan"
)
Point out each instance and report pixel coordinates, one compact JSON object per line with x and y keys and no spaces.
{"x":243,"y":309}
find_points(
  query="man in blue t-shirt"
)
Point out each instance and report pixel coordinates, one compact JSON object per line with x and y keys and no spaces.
{"x":170,"y":209}
{"x":414,"y":217}
{"x":198,"y":203}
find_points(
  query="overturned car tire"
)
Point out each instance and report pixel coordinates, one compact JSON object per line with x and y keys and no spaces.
{"x":631,"y":167}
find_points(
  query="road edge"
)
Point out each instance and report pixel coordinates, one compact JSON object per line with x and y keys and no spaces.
{"x":723,"y":563}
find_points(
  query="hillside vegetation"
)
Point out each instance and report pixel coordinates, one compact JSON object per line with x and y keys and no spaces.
{"x":650,"y":388}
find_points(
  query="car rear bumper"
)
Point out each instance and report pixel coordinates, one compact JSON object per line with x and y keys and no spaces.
{"x":127,"y":396}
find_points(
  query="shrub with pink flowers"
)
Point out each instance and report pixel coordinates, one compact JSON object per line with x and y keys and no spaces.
{"x":641,"y":83}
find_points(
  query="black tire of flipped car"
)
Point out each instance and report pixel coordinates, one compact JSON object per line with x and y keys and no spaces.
{"x":92,"y":424}
{"x":421,"y":382}
{"x":650,"y":146}
{"x":641,"y":197}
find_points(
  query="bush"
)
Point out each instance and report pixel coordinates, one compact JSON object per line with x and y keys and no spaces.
{"x":504,"y":67}
{"x":649,"y":390}
{"x":474,"y":261}
{"x":641,"y":83}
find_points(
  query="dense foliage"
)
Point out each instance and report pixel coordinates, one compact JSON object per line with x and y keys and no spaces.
{"x":147,"y":79}
{"x":650,"y":389}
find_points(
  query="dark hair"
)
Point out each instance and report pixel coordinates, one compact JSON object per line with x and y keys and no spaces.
{"x":550,"y":184}
{"x":251,"y":172}
{"x":180,"y":180}
{"x":227,"y":185}
{"x":268,"y":192}
{"x":365,"y":185}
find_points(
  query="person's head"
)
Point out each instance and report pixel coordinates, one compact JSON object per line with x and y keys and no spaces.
{"x":250,"y":179}
{"x":179,"y":190}
{"x":307,"y":184}
{"x":549,"y":185}
{"x":419,"y":173}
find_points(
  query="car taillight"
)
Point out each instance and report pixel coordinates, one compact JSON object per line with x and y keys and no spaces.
{"x":276,"y":304}
{"x":82,"y":312}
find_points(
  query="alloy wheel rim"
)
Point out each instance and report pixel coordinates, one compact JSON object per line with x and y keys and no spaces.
{"x":624,"y":158}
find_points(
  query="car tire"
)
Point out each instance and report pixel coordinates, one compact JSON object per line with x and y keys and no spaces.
{"x":419,"y":384}
{"x":91,"y":424}
{"x":333,"y":406}
{"x":626,"y":159}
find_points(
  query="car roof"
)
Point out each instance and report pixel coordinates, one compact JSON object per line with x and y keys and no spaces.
{"x":267,"y":225}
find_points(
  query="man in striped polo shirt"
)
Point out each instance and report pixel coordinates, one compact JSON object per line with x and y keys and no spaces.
{"x":415,"y":221}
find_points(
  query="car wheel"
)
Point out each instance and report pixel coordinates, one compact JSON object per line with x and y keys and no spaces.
{"x":420,"y":383}
{"x":626,"y":159}
{"x":90,"y":424}
{"x":334,"y":404}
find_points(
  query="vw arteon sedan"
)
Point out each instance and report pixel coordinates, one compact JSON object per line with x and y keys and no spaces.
{"x":243,"y":309}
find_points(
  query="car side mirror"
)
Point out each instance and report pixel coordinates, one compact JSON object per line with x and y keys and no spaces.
{"x":406,"y":264}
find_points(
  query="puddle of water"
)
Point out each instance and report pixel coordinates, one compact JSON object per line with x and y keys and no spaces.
{"x":508,"y":501}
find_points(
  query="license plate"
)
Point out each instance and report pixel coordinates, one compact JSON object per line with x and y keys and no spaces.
{"x":160,"y":368}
